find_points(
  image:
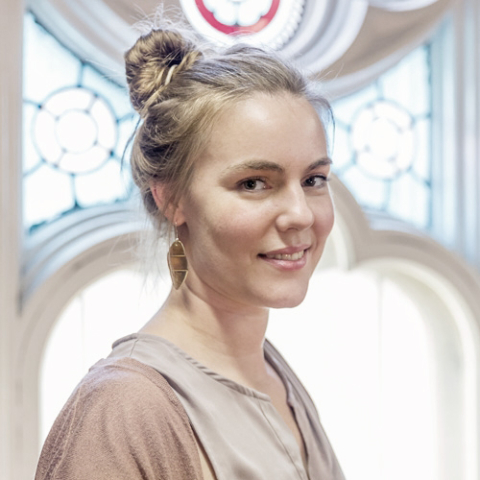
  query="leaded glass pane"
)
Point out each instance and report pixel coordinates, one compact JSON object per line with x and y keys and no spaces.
{"x":116,"y":98}
{"x":266,"y":22}
{"x":382,"y":140}
{"x":31,"y":157}
{"x":47,"y":66}
{"x":76,"y":127}
{"x":47,"y":192}
{"x":240,"y":13}
{"x":104,"y":185}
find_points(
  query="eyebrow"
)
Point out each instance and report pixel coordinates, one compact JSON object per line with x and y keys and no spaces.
{"x":275,"y":167}
{"x":320,"y":163}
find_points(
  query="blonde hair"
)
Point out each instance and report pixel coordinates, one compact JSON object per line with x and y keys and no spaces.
{"x":179,"y":88}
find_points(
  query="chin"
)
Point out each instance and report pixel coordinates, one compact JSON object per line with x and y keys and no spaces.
{"x":287,"y":304}
{"x":289,"y":299}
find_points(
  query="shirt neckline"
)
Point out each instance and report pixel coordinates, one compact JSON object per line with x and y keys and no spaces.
{"x":242,"y":389}
{"x":248,"y":391}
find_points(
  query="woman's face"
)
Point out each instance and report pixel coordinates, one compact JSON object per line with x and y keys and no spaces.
{"x":259,"y":209}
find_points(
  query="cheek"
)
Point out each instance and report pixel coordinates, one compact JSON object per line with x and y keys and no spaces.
{"x":221,"y":239}
{"x":223,"y":226}
{"x":238,"y":228}
{"x":324,"y":221}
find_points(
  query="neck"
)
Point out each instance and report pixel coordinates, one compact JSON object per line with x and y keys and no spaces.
{"x":225,"y":337}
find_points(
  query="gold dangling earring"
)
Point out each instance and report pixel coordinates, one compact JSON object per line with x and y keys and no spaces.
{"x":177,"y":262}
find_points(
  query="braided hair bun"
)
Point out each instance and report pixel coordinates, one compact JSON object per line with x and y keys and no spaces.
{"x":153,"y":61}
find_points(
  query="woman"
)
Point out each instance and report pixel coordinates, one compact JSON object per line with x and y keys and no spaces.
{"x":232,"y":154}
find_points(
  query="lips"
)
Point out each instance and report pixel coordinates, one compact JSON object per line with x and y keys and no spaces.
{"x":287,"y":259}
{"x":286,"y":256}
{"x":292,"y":249}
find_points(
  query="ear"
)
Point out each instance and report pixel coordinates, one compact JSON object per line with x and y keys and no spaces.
{"x":173,"y":213}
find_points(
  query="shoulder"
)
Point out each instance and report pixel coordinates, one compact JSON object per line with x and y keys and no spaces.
{"x":129,"y":383}
{"x":128,"y":395}
{"x":122,"y":419}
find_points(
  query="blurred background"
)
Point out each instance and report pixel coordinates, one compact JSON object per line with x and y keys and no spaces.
{"x":387,"y":341}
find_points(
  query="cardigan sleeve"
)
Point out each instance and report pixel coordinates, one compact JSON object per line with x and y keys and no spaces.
{"x":122,"y":422}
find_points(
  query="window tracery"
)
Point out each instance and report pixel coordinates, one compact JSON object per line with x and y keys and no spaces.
{"x":268,"y":22}
{"x":76,"y":127}
{"x":382,"y":142}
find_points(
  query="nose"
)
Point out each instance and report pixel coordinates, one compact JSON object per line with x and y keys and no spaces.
{"x":295,"y":212}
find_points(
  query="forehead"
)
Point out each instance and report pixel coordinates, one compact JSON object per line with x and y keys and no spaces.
{"x":270,"y":127}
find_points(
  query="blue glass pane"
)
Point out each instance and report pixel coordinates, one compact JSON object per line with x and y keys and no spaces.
{"x":409,"y":83}
{"x":31,"y":158}
{"x":410,"y":199}
{"x":105,"y":185}
{"x":383,"y":140}
{"x":116,"y":96}
{"x":47,"y":65}
{"x":342,"y":152}
{"x":346,"y":108}
{"x":382,"y":148}
{"x":373,"y":192}
{"x":47,"y":193}
{"x":76,"y":126}
{"x":422,"y":165}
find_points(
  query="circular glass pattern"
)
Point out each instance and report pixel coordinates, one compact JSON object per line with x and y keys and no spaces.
{"x":76,"y":121}
{"x":235,"y":17}
{"x":75,"y":130}
{"x":267,"y":22}
{"x":383,"y":140}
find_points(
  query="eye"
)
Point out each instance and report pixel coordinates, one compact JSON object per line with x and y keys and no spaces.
{"x":316,"y":181}
{"x":253,"y":184}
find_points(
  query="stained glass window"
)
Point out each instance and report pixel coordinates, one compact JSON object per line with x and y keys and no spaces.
{"x":382,"y":148}
{"x":76,"y":127}
{"x":271,"y":22}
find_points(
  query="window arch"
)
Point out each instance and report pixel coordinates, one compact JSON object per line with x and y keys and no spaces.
{"x":86,"y":329}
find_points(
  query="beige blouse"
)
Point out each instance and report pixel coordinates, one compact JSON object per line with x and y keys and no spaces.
{"x":242,"y":433}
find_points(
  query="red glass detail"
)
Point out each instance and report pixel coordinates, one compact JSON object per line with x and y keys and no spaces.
{"x":237,"y":29}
